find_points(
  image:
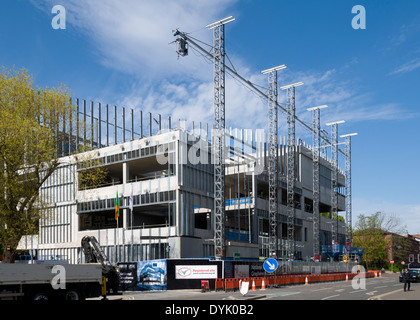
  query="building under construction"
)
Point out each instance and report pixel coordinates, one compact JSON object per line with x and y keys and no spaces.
{"x":188,"y":190}
{"x":163,"y":175}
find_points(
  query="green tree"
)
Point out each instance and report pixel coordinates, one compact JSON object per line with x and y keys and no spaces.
{"x":369,"y":234}
{"x":32,"y":123}
{"x":92,"y":174}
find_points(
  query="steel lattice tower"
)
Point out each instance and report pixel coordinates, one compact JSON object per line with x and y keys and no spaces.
{"x":273,"y":158}
{"x":291,"y":167}
{"x":219,"y":133}
{"x":334,"y":177}
{"x":316,"y":128}
{"x":347,"y":151}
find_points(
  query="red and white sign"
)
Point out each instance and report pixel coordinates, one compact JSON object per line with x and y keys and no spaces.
{"x":196,"y":272}
{"x":391,"y":262}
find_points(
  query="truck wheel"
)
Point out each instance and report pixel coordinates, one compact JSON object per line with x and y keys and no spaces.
{"x":73,"y":294}
{"x":40,"y":296}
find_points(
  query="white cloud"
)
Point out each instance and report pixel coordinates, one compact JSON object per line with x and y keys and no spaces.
{"x":193,"y":101}
{"x":133,"y":36}
{"x":407,"y":67}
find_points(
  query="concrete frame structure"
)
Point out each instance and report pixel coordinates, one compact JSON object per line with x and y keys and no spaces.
{"x":170,"y":175}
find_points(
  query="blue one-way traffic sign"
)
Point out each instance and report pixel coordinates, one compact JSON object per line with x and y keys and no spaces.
{"x":270,"y":265}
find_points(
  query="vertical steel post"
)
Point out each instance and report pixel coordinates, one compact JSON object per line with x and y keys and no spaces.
{"x":291,"y":168}
{"x":219,"y":136}
{"x":273,"y":159}
{"x":77,"y":125}
{"x":84,"y":125}
{"x":141,"y":124}
{"x":291,"y":149}
{"x":107,"y":125}
{"x":132,"y":125}
{"x":115,"y":125}
{"x":316,"y":129}
{"x":99,"y":126}
{"x":347,"y":152}
{"x":334,"y":179}
{"x":91,"y":126}
{"x":220,"y":125}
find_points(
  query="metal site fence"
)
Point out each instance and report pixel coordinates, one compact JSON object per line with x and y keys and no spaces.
{"x":238,"y":269}
{"x":299,"y":267}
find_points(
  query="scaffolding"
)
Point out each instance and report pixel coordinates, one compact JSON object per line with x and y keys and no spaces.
{"x":273,"y":159}
{"x":334,"y":177}
{"x":291,"y":167}
{"x":347,"y":150}
{"x":219,"y":138}
{"x":320,"y":141}
{"x":316,"y":127}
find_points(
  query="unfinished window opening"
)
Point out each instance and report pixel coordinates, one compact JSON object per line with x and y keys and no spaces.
{"x":153,"y":216}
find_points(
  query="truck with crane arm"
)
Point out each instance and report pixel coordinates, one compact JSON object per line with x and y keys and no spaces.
{"x":97,"y":277}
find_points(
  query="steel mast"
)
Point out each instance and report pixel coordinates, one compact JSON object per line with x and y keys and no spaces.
{"x":347,"y":150}
{"x":316,"y":128}
{"x":291,"y":167}
{"x":219,"y":133}
{"x":273,"y":159}
{"x":334,"y":176}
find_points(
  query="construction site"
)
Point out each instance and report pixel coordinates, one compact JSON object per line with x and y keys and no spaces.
{"x":202,"y":190}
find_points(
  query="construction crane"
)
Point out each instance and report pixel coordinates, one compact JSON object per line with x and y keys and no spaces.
{"x":190,"y":41}
{"x":218,"y":56}
{"x":94,"y":254}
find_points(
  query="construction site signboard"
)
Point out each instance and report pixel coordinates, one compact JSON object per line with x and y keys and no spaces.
{"x":196,"y":272}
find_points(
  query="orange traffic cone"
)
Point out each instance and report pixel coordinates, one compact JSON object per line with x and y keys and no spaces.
{"x":376,"y":274}
{"x":253,"y":285}
{"x":263,"y":285}
{"x":306,"y":280}
{"x":347,"y":277}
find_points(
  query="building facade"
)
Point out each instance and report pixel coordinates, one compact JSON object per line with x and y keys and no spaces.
{"x":172,"y":203}
{"x":165,"y":186}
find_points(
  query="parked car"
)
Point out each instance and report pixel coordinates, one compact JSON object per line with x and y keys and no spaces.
{"x":415,"y":275}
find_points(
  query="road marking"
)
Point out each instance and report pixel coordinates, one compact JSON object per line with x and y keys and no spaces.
{"x":321,"y":289}
{"x":380,"y":287}
{"x":384,"y":294}
{"x":357,"y":290}
{"x":339,"y":290}
{"x":336,"y":295}
{"x":281,"y":294}
{"x":371,"y":293}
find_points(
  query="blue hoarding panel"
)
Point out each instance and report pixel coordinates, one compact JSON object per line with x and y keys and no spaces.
{"x":151,"y":275}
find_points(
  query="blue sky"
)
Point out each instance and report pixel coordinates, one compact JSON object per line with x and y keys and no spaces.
{"x":118,"y":52}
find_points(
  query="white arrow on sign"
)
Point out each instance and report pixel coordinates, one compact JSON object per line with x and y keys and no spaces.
{"x":270,"y":265}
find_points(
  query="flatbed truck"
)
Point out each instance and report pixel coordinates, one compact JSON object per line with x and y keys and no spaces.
{"x":50,"y":282}
{"x":98,"y":277}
